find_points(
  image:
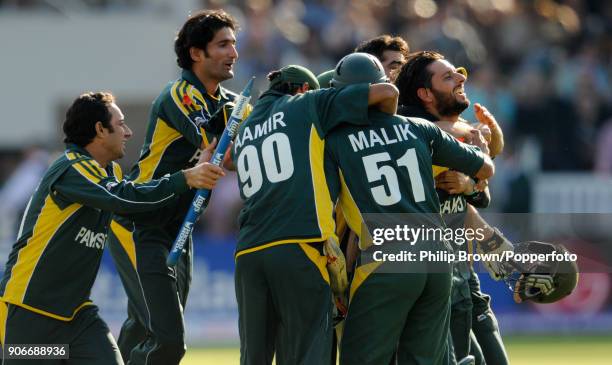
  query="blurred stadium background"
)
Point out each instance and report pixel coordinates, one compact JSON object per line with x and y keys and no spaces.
{"x":542,"y":67}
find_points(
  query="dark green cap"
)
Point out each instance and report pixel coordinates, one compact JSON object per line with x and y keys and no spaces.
{"x":325,"y":78}
{"x":296,"y":74}
{"x":356,"y":68}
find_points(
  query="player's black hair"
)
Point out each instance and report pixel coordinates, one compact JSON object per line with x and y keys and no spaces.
{"x":198,"y":31}
{"x":414,"y":75}
{"x":377,"y":46}
{"x":282,"y":87}
{"x":82,"y":116}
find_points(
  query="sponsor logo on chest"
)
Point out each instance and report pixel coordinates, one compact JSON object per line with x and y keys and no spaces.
{"x":455,"y":204}
{"x":90,"y":238}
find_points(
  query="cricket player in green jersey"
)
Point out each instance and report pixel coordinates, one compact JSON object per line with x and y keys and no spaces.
{"x":45,"y":289}
{"x":386,"y":168}
{"x":433,"y":89}
{"x":282,"y":284}
{"x":184,"y":119}
{"x":392,"y":53}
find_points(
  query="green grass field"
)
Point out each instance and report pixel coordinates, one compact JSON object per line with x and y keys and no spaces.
{"x":522,"y":351}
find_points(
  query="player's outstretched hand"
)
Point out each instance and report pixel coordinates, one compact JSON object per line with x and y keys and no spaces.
{"x":203,"y":176}
{"x":479,"y":141}
{"x":496,"y":139}
{"x":485,"y":131}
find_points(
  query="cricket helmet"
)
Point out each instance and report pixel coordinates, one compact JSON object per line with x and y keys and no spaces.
{"x":356,"y":68}
{"x":293,"y":74}
{"x":542,"y":281}
{"x":325,"y":78}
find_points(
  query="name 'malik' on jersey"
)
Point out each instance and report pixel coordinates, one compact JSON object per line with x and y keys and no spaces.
{"x":386,"y":166}
{"x":279,"y":156}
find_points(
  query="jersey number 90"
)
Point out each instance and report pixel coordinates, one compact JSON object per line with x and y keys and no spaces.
{"x":277,"y":162}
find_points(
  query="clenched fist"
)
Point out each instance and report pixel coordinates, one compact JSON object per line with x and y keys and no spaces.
{"x":203,"y":176}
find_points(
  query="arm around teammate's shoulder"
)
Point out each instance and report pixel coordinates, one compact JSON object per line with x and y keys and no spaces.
{"x":384,"y":97}
{"x":487,"y":169}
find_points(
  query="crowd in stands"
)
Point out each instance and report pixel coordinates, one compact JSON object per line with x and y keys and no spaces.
{"x":543,"y":67}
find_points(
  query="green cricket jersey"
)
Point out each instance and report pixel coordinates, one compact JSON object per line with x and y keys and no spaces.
{"x":279,"y":155}
{"x":387,"y":166}
{"x":54,"y":262}
{"x":178,"y":125}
